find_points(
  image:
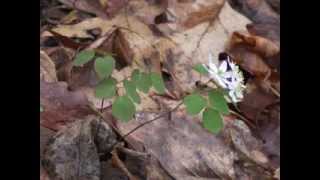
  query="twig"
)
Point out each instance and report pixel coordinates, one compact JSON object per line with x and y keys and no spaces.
{"x":243,"y":118}
{"x":147,"y":122}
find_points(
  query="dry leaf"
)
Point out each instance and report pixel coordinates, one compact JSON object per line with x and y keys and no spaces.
{"x":260,"y":45}
{"x":73,"y":153}
{"x":180,"y":16}
{"x":255,"y":102}
{"x":257,"y":10}
{"x":47,"y":68}
{"x":174,"y":140}
{"x":60,"y":105}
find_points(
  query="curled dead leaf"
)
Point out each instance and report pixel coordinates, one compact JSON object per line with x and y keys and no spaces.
{"x":47,"y":68}
{"x":262,"y":46}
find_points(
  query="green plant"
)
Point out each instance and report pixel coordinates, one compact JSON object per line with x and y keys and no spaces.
{"x":123,"y":106}
{"x":212,"y":105}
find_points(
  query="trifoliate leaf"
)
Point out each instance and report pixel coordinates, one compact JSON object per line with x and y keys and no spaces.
{"x":157,"y":82}
{"x":123,"y":108}
{"x":131,"y":91}
{"x":194,"y":103}
{"x":218,"y":101}
{"x":200,"y":69}
{"x":212,"y":120}
{"x":106,"y":88}
{"x":144,"y":83}
{"x":104,"y":66}
{"x":83,"y":57}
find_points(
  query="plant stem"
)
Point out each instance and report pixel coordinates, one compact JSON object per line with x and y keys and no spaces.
{"x":147,"y":122}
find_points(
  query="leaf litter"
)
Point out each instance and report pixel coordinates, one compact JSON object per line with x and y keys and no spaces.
{"x":167,"y":37}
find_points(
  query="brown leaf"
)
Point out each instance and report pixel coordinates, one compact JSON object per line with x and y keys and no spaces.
{"x":257,"y":10}
{"x":104,"y":9}
{"x":260,"y":45}
{"x":182,"y":146}
{"x":255,"y":102}
{"x":246,"y":143}
{"x":73,"y":153}
{"x":269,"y":31}
{"x":60,"y":105}
{"x":250,"y":61}
{"x":182,"y":15}
{"x":47,"y":68}
{"x":275,"y":4}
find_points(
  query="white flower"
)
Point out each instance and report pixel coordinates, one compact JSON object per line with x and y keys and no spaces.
{"x":228,"y":76}
{"x":216,"y":73}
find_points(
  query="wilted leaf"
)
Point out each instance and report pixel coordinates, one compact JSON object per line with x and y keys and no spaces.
{"x":47,"y":68}
{"x":182,"y":146}
{"x":131,"y":91}
{"x":255,"y":102}
{"x":263,"y":46}
{"x":104,"y":66}
{"x":61,"y":106}
{"x":218,"y":101}
{"x":73,"y":152}
{"x":83,"y":57}
{"x":157,"y":82}
{"x":106,"y":88}
{"x":194,"y":103}
{"x":123,"y":108}
{"x":212,"y":120}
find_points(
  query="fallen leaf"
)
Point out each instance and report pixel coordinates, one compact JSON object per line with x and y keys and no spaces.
{"x":258,"y":11}
{"x":73,"y":153}
{"x":180,"y":16}
{"x":255,"y":102}
{"x":260,"y":45}
{"x":47,"y":68}
{"x":60,"y":105}
{"x":174,"y":141}
{"x":246,"y":143}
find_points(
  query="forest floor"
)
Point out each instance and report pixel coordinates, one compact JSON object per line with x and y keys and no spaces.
{"x":80,"y":138}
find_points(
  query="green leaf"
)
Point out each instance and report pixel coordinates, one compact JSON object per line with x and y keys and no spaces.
{"x":144,"y":82}
{"x":135,"y":76}
{"x":123,"y":108}
{"x":157,"y":82}
{"x":218,"y":101}
{"x":211,"y":120}
{"x":104,"y":66}
{"x":131,"y":91}
{"x":200,"y":69}
{"x":194,"y":103}
{"x":83,"y":57}
{"x":106,"y":88}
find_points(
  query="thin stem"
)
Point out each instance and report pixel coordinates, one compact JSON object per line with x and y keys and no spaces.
{"x":243,"y":118}
{"x":147,"y":122}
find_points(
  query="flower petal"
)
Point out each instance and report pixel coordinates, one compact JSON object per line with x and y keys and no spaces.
{"x":223,"y":66}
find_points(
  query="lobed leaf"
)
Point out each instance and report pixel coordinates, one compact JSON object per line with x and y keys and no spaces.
{"x":123,"y":108}
{"x":83,"y":57}
{"x":104,"y":66}
{"x":194,"y":103}
{"x":131,"y":91}
{"x":218,"y":101}
{"x":212,"y":120}
{"x":106,"y":88}
{"x":157,"y":82}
